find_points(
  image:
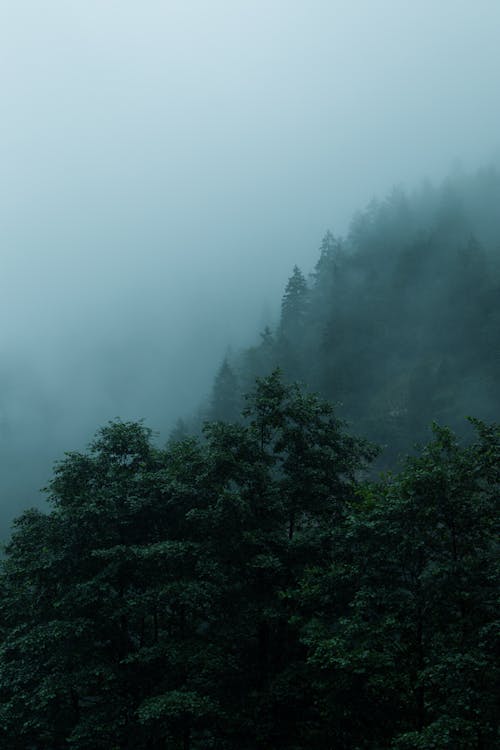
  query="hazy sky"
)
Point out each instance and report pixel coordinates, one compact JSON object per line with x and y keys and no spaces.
{"x":165,"y":163}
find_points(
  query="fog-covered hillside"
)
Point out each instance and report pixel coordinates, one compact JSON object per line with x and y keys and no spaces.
{"x":164,"y":167}
{"x":399,"y":321}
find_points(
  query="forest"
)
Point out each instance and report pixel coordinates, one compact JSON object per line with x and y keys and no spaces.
{"x":312,"y":561}
{"x":398,"y":323}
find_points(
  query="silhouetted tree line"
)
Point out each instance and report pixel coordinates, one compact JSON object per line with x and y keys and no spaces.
{"x":254,"y":590}
{"x":399,"y":323}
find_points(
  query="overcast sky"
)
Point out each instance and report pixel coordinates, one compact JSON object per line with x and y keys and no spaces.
{"x":164,"y":164}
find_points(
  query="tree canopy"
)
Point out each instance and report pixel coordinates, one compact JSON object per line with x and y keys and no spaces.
{"x":252,"y":589}
{"x":398,"y":323}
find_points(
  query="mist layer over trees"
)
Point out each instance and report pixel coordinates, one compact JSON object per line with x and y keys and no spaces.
{"x":255,"y":583}
{"x":164,"y":166}
{"x":252,"y":553}
{"x":398,"y":324}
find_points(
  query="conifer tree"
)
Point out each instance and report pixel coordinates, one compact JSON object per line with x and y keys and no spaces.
{"x":294,"y":305}
{"x":225,"y":403}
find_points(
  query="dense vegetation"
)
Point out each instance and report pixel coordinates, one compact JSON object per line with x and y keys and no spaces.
{"x":399,"y":323}
{"x":259,"y":585}
{"x":254,"y":590}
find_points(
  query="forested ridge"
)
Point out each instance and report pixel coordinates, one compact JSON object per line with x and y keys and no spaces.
{"x":399,"y":322}
{"x":260,"y":584}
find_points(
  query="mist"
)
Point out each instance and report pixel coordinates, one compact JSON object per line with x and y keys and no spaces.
{"x":165,"y":165}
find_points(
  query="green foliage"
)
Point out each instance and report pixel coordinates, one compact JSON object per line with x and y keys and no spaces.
{"x":251,"y":590}
{"x":415,"y":644}
{"x":294,"y":304}
{"x":399,"y":323}
{"x":225,"y":404}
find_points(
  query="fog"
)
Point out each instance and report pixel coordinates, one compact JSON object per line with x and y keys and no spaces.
{"x":164,"y":166}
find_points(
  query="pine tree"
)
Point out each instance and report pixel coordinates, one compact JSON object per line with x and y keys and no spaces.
{"x":225,"y":402}
{"x":324,"y":271}
{"x":294,"y":305}
{"x":292,"y":331}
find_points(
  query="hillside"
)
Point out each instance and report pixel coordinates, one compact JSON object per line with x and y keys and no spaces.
{"x":398,"y":323}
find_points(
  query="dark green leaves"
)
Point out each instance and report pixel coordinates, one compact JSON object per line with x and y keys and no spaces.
{"x":250,"y":591}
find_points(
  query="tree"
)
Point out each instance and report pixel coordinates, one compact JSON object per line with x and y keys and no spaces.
{"x":251,"y":590}
{"x":225,"y":404}
{"x":292,"y":330}
{"x":325,"y":271}
{"x":294,"y":305}
{"x":149,"y":607}
{"x":414,"y":647}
